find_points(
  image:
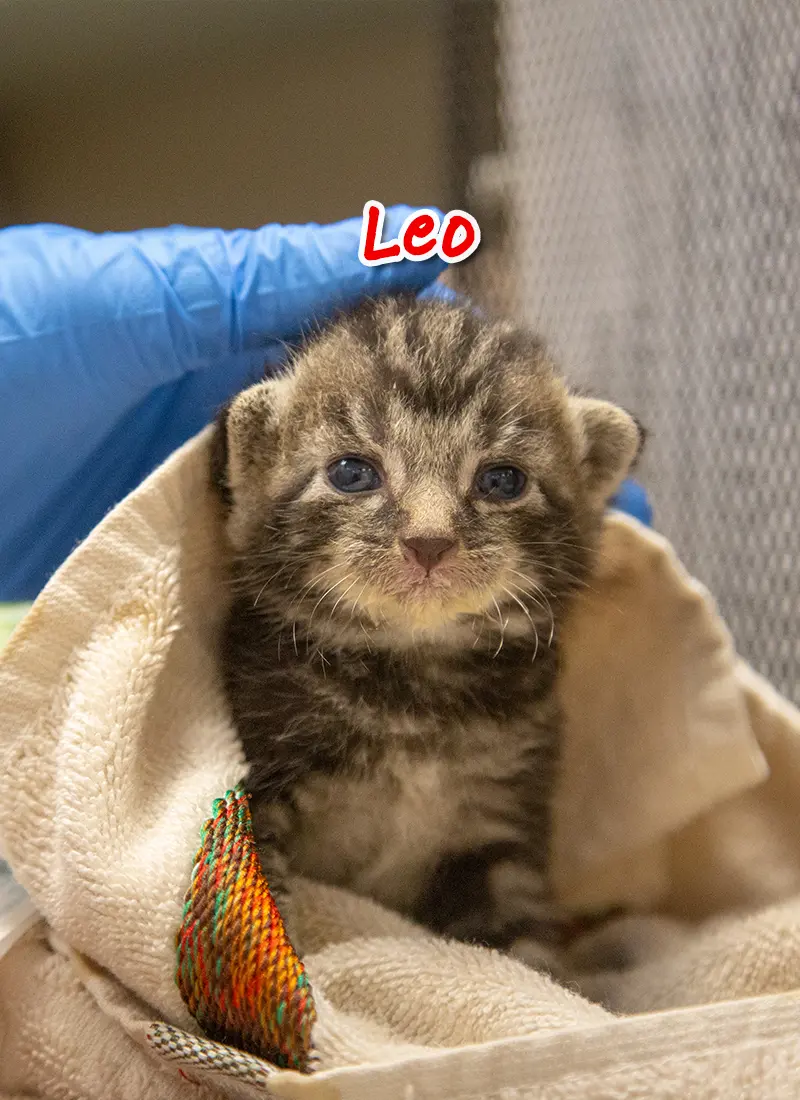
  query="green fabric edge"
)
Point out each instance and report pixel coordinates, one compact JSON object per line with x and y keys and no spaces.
{"x":10,"y":615}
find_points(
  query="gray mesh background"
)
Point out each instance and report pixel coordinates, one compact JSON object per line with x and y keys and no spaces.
{"x":651,"y":178}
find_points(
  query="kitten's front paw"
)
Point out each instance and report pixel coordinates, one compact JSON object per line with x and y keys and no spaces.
{"x":522,"y":909}
{"x":626,"y":942}
{"x":539,"y":957}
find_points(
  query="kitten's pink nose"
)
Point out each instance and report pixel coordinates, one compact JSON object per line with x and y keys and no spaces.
{"x":428,"y":552}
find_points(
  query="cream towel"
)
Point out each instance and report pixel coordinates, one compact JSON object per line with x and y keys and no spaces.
{"x":679,"y":793}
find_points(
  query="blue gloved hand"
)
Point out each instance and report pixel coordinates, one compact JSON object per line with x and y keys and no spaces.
{"x":116,"y":348}
{"x":632,"y":498}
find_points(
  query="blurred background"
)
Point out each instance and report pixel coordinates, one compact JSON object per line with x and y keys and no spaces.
{"x":634,"y":165}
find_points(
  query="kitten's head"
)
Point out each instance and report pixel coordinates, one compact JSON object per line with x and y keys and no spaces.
{"x":417,"y":467}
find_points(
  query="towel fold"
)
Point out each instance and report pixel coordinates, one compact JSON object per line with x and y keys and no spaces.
{"x":678,"y":801}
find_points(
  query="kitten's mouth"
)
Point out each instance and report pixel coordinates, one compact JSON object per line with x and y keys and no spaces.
{"x":412,"y":597}
{"x":417,"y":599}
{"x":422,"y":583}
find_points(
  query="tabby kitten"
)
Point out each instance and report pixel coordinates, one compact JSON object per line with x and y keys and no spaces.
{"x":410,"y":507}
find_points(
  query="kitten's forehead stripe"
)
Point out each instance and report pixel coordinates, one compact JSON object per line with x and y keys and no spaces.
{"x":436,"y":360}
{"x":427,"y":391}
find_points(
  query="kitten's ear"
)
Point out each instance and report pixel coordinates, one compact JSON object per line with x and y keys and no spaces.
{"x":245,"y":439}
{"x":610,"y":441}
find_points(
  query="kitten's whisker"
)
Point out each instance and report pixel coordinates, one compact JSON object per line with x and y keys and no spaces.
{"x":530,"y":594}
{"x":313,"y":581}
{"x":277,"y":573}
{"x":333,"y":609}
{"x":552,"y":616}
{"x":310,"y":584}
{"x":322,"y":597}
{"x":530,"y":620}
{"x":518,"y":601}
{"x":479,"y":635}
{"x":356,"y":602}
{"x":555,"y":572}
{"x":529,"y":588}
{"x":501,"y":621}
{"x":557,"y":538}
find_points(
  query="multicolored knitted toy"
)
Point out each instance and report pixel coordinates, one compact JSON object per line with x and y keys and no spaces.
{"x":238,"y":974}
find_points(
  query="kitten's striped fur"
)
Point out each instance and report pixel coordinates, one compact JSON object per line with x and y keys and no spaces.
{"x":403,"y":737}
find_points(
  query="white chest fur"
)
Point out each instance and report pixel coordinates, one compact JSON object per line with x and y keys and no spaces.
{"x":383,"y":835}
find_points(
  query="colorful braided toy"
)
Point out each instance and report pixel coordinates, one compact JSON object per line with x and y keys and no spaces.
{"x":238,"y":974}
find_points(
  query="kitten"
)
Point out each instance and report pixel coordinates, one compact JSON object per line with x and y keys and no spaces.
{"x":410,"y":507}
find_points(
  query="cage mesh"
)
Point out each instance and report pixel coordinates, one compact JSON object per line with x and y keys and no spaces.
{"x":649,"y":174}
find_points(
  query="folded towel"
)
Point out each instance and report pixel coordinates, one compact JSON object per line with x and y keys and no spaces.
{"x":678,"y":797}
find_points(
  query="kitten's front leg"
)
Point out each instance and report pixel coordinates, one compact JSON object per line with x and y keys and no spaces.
{"x":529,"y":923}
{"x":496,"y":897}
{"x":522,"y":903}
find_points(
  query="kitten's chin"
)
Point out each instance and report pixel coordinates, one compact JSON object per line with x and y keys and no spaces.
{"x":422,"y":608}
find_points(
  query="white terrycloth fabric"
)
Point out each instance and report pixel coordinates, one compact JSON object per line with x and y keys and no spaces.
{"x":680,"y":795}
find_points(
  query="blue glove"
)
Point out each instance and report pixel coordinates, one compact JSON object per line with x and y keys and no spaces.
{"x":115,"y":349}
{"x":632,"y":498}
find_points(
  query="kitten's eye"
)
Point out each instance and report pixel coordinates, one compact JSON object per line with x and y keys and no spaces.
{"x":354,"y":475}
{"x":500,"y":483}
